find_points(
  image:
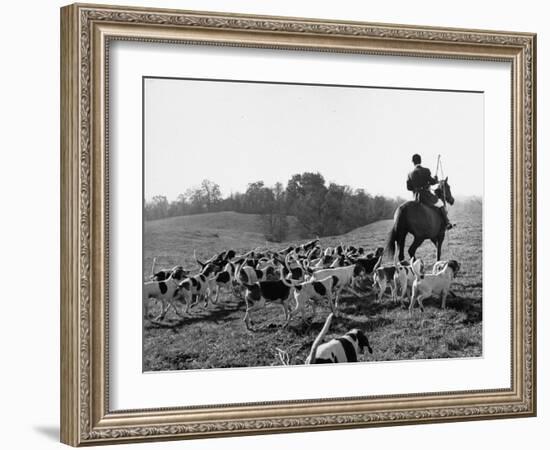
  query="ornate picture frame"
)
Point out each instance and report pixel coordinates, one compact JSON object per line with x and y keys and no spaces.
{"x":86,"y":34}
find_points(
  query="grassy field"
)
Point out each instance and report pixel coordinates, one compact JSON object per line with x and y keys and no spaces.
{"x":216,"y":337}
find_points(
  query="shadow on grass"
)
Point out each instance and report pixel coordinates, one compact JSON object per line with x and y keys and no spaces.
{"x":213,"y":313}
{"x":472,"y":307}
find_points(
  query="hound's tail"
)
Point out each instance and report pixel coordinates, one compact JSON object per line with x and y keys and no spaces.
{"x":318,"y":339}
{"x":197,"y":261}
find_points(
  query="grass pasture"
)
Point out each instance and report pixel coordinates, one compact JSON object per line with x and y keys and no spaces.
{"x":216,"y":337}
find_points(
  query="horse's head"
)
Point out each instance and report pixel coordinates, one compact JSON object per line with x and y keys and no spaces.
{"x":443,"y":191}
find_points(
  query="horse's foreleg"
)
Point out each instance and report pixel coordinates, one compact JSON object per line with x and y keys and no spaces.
{"x":414,"y":246}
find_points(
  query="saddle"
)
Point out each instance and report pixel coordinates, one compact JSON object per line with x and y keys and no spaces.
{"x":425,"y":197}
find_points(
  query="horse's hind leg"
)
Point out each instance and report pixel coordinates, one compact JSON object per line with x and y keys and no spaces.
{"x":439,"y":244}
{"x":414,"y":246}
{"x":401,"y":244}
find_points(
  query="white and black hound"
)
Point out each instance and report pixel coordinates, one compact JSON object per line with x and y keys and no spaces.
{"x":399,"y":277}
{"x":314,"y":291}
{"x":259,"y":294}
{"x":197,"y":286}
{"x":345,"y":278}
{"x":345,"y":348}
{"x":438,"y":284}
{"x":165,"y":291}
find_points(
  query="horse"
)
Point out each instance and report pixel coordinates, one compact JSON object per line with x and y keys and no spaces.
{"x":422,"y":221}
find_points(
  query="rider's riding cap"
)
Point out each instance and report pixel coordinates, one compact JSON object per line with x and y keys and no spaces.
{"x":416,"y":159}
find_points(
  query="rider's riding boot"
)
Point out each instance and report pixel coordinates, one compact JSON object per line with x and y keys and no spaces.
{"x":448,"y":224}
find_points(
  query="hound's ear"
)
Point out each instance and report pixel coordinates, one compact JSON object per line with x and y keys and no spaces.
{"x":446,"y":178}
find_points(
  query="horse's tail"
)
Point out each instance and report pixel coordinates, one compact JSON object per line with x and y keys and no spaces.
{"x":392,"y":236}
{"x":390,"y":242}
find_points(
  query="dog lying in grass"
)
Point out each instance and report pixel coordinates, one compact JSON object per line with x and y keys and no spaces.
{"x":345,"y":348}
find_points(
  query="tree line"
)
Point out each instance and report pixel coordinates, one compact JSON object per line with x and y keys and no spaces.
{"x":320,"y":209}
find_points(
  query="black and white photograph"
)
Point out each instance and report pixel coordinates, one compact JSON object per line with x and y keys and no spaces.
{"x":290,"y":224}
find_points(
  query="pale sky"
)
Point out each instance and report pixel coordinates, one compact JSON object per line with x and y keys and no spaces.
{"x":237,"y":133}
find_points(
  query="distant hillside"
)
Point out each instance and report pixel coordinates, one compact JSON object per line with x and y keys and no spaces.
{"x":225,"y":220}
{"x":173,"y":240}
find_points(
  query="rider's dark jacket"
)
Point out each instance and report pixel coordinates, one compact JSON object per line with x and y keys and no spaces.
{"x":419,"y":182}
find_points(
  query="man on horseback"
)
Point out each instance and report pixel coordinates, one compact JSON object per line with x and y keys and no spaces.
{"x":419,"y":182}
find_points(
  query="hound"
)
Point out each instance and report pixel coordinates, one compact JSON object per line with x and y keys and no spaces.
{"x":346,"y":277}
{"x":308,"y":246}
{"x":404,"y":278}
{"x":428,"y":285}
{"x":165,"y":290}
{"x":383,"y":277}
{"x":177,"y":273}
{"x":345,"y":348}
{"x":370,"y":261}
{"x":250,"y":275}
{"x":212,"y":266}
{"x":259,"y":294}
{"x":324,"y":262}
{"x":293,"y":269}
{"x":341,"y":261}
{"x":314,"y":253}
{"x":438,"y":266}
{"x":197,"y":286}
{"x":315,"y":291}
{"x":399,"y":277}
{"x":223,"y":279}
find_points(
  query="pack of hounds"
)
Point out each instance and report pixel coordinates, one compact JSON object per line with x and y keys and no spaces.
{"x":298,"y":277}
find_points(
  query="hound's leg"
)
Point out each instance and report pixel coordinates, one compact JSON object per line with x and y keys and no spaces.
{"x":299,"y":308}
{"x":314,"y":309}
{"x":330,"y":302}
{"x":414,"y":294}
{"x":419,"y":299}
{"x":443,"y":299}
{"x":164,"y":309}
{"x":287,"y":313}
{"x":147,"y":308}
{"x":399,"y":289}
{"x":382,"y":287}
{"x":188,"y":302}
{"x":247,"y":319}
{"x":393,"y":290}
{"x":336,"y":300}
{"x":249,"y":309}
{"x":177,"y":311}
{"x":406,"y":293}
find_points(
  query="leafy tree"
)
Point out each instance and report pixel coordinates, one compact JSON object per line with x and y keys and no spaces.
{"x":305,"y":200}
{"x":274,"y":218}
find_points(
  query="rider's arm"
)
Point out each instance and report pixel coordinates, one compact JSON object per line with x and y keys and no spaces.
{"x":432,"y":180}
{"x":409,"y":184}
